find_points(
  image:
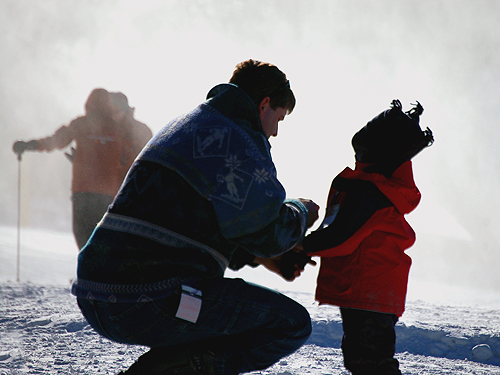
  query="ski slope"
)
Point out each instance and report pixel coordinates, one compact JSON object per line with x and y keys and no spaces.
{"x":43,"y":332}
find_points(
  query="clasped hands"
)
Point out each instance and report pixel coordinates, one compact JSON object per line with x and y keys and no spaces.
{"x":291,"y":264}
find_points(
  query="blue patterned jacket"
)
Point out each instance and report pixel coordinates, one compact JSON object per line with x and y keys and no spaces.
{"x":202,"y":196}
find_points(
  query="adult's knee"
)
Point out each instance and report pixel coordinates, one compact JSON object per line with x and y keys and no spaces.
{"x":300,"y":321}
{"x":305,"y":320}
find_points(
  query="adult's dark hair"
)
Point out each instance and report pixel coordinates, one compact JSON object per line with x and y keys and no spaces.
{"x":260,"y":80}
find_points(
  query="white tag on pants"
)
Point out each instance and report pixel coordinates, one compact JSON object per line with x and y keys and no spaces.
{"x":190,"y":304}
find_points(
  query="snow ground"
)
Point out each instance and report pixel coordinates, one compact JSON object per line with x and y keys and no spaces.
{"x":43,"y":332}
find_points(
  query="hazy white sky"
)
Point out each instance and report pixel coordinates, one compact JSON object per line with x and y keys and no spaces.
{"x":345,"y":60}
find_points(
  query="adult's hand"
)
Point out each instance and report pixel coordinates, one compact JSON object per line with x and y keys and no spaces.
{"x":289,"y":265}
{"x":272,"y":264}
{"x":293,"y":263}
{"x":312,"y":209}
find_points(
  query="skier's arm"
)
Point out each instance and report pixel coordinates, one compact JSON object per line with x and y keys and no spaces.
{"x":60,"y":139}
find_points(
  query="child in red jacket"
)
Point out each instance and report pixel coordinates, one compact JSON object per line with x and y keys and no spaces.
{"x":363,"y":238}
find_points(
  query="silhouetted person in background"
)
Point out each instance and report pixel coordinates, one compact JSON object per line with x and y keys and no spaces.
{"x":105,"y":147}
{"x":137,"y":134}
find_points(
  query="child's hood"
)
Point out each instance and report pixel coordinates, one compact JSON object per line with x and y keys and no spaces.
{"x":400,"y":188}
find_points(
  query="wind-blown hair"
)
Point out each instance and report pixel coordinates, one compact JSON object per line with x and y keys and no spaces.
{"x":391,"y":138}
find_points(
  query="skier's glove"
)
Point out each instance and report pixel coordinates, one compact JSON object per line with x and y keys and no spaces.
{"x":20,"y":146}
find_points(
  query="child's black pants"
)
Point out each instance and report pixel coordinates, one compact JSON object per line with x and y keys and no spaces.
{"x":369,"y":342}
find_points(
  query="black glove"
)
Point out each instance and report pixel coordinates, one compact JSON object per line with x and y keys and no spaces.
{"x":291,"y":261}
{"x":20,"y":146}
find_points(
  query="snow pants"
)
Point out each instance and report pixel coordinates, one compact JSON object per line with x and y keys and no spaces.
{"x":369,"y":342}
{"x":246,"y":326}
{"x":88,"y":210}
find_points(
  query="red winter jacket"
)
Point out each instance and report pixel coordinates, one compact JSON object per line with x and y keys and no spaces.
{"x":363,"y":260}
{"x":103,"y":154}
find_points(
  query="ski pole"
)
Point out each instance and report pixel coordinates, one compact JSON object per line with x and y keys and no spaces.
{"x":18,"y":216}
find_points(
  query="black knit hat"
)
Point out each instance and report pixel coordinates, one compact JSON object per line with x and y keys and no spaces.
{"x":391,"y":138}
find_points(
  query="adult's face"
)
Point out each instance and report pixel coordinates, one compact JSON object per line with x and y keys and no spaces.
{"x":270,"y":118}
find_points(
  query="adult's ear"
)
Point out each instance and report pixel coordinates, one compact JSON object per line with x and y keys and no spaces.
{"x":264,"y":103}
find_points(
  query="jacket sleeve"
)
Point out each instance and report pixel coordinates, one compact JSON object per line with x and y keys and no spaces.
{"x":385,"y":223}
{"x":60,"y":139}
{"x":358,"y":202}
{"x":282,"y":234}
